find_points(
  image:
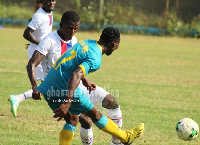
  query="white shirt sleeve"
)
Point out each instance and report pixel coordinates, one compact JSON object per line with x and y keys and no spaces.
{"x":36,"y":22}
{"x":44,"y":46}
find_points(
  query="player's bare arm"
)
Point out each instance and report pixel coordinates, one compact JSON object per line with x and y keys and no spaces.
{"x":72,"y":85}
{"x":88,"y":84}
{"x":29,"y":36}
{"x":33,"y":62}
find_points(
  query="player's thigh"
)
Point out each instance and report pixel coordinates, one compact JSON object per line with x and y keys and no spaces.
{"x":98,"y":95}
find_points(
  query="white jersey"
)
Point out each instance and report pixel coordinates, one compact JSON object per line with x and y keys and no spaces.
{"x":41,"y":23}
{"x":52,"y":46}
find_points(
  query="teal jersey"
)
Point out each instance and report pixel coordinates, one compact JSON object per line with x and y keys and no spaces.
{"x":87,"y":55}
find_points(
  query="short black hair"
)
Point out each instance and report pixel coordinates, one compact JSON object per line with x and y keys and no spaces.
{"x":70,"y":16}
{"x":39,"y":1}
{"x":109,"y":35}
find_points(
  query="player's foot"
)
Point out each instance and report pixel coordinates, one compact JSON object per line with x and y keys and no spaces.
{"x":134,"y":133}
{"x":14,"y":104}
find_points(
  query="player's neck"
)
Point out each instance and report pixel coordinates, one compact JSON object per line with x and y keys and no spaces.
{"x":103,"y":47}
{"x":46,"y":10}
{"x":61,"y":35}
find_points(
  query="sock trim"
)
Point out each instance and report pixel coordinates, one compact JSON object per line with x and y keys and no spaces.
{"x":87,"y":141}
{"x":25,"y":97}
{"x":102,"y":122}
{"x":69,"y":127}
{"x":115,"y":119}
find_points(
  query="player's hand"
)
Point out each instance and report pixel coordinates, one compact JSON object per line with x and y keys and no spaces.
{"x":36,"y":95}
{"x":61,"y":111}
{"x":89,"y":85}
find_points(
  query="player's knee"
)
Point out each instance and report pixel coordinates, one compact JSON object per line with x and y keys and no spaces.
{"x":110,"y":102}
{"x":95,"y":114}
{"x":85,"y":121}
{"x":71,"y":119}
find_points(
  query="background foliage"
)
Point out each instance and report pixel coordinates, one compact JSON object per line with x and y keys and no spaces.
{"x":182,"y":14}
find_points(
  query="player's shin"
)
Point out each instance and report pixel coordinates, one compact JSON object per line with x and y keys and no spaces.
{"x":86,"y":136}
{"x":116,"y":116}
{"x":24,"y":96}
{"x":110,"y":127}
{"x":66,"y":134}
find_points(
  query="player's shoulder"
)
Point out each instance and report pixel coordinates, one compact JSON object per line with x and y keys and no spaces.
{"x":93,"y":45}
{"x":40,"y":13}
{"x":74,"y":39}
{"x":87,"y":42}
{"x":52,"y":36}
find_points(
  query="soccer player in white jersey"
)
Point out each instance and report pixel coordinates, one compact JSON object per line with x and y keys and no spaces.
{"x":39,"y":26}
{"x":50,"y":49}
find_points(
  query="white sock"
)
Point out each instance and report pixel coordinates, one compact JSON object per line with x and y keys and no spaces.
{"x":86,"y":136}
{"x":24,"y":96}
{"x":116,"y":116}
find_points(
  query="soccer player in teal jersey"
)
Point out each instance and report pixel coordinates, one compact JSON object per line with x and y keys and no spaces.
{"x":46,"y":54}
{"x":67,"y":100}
{"x":86,"y":55}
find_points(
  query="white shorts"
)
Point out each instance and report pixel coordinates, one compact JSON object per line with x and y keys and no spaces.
{"x":95,"y":96}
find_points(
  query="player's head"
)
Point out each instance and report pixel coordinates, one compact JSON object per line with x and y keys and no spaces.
{"x":69,"y":24}
{"x":110,"y":38}
{"x":48,"y":5}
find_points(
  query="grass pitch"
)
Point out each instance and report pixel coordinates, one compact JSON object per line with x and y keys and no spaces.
{"x":156,"y":79}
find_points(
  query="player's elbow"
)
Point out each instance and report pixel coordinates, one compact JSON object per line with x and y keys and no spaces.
{"x":78,"y":73}
{"x":30,"y":65}
{"x":76,"y":76}
{"x":25,"y":34}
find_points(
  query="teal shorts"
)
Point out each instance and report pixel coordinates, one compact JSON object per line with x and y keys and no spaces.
{"x":80,"y":104}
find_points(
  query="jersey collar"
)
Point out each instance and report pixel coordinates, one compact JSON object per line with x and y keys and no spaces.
{"x":99,"y":46}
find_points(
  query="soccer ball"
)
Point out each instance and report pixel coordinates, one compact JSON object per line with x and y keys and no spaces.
{"x":187,"y":129}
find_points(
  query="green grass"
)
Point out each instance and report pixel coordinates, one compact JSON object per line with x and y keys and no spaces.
{"x":158,"y":79}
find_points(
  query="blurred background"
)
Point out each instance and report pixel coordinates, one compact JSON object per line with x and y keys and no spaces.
{"x":151,"y":17}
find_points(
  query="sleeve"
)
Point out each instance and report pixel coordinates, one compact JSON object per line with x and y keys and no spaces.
{"x":85,"y":67}
{"x":44,"y":46}
{"x":35,"y":22}
{"x":89,"y":66}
